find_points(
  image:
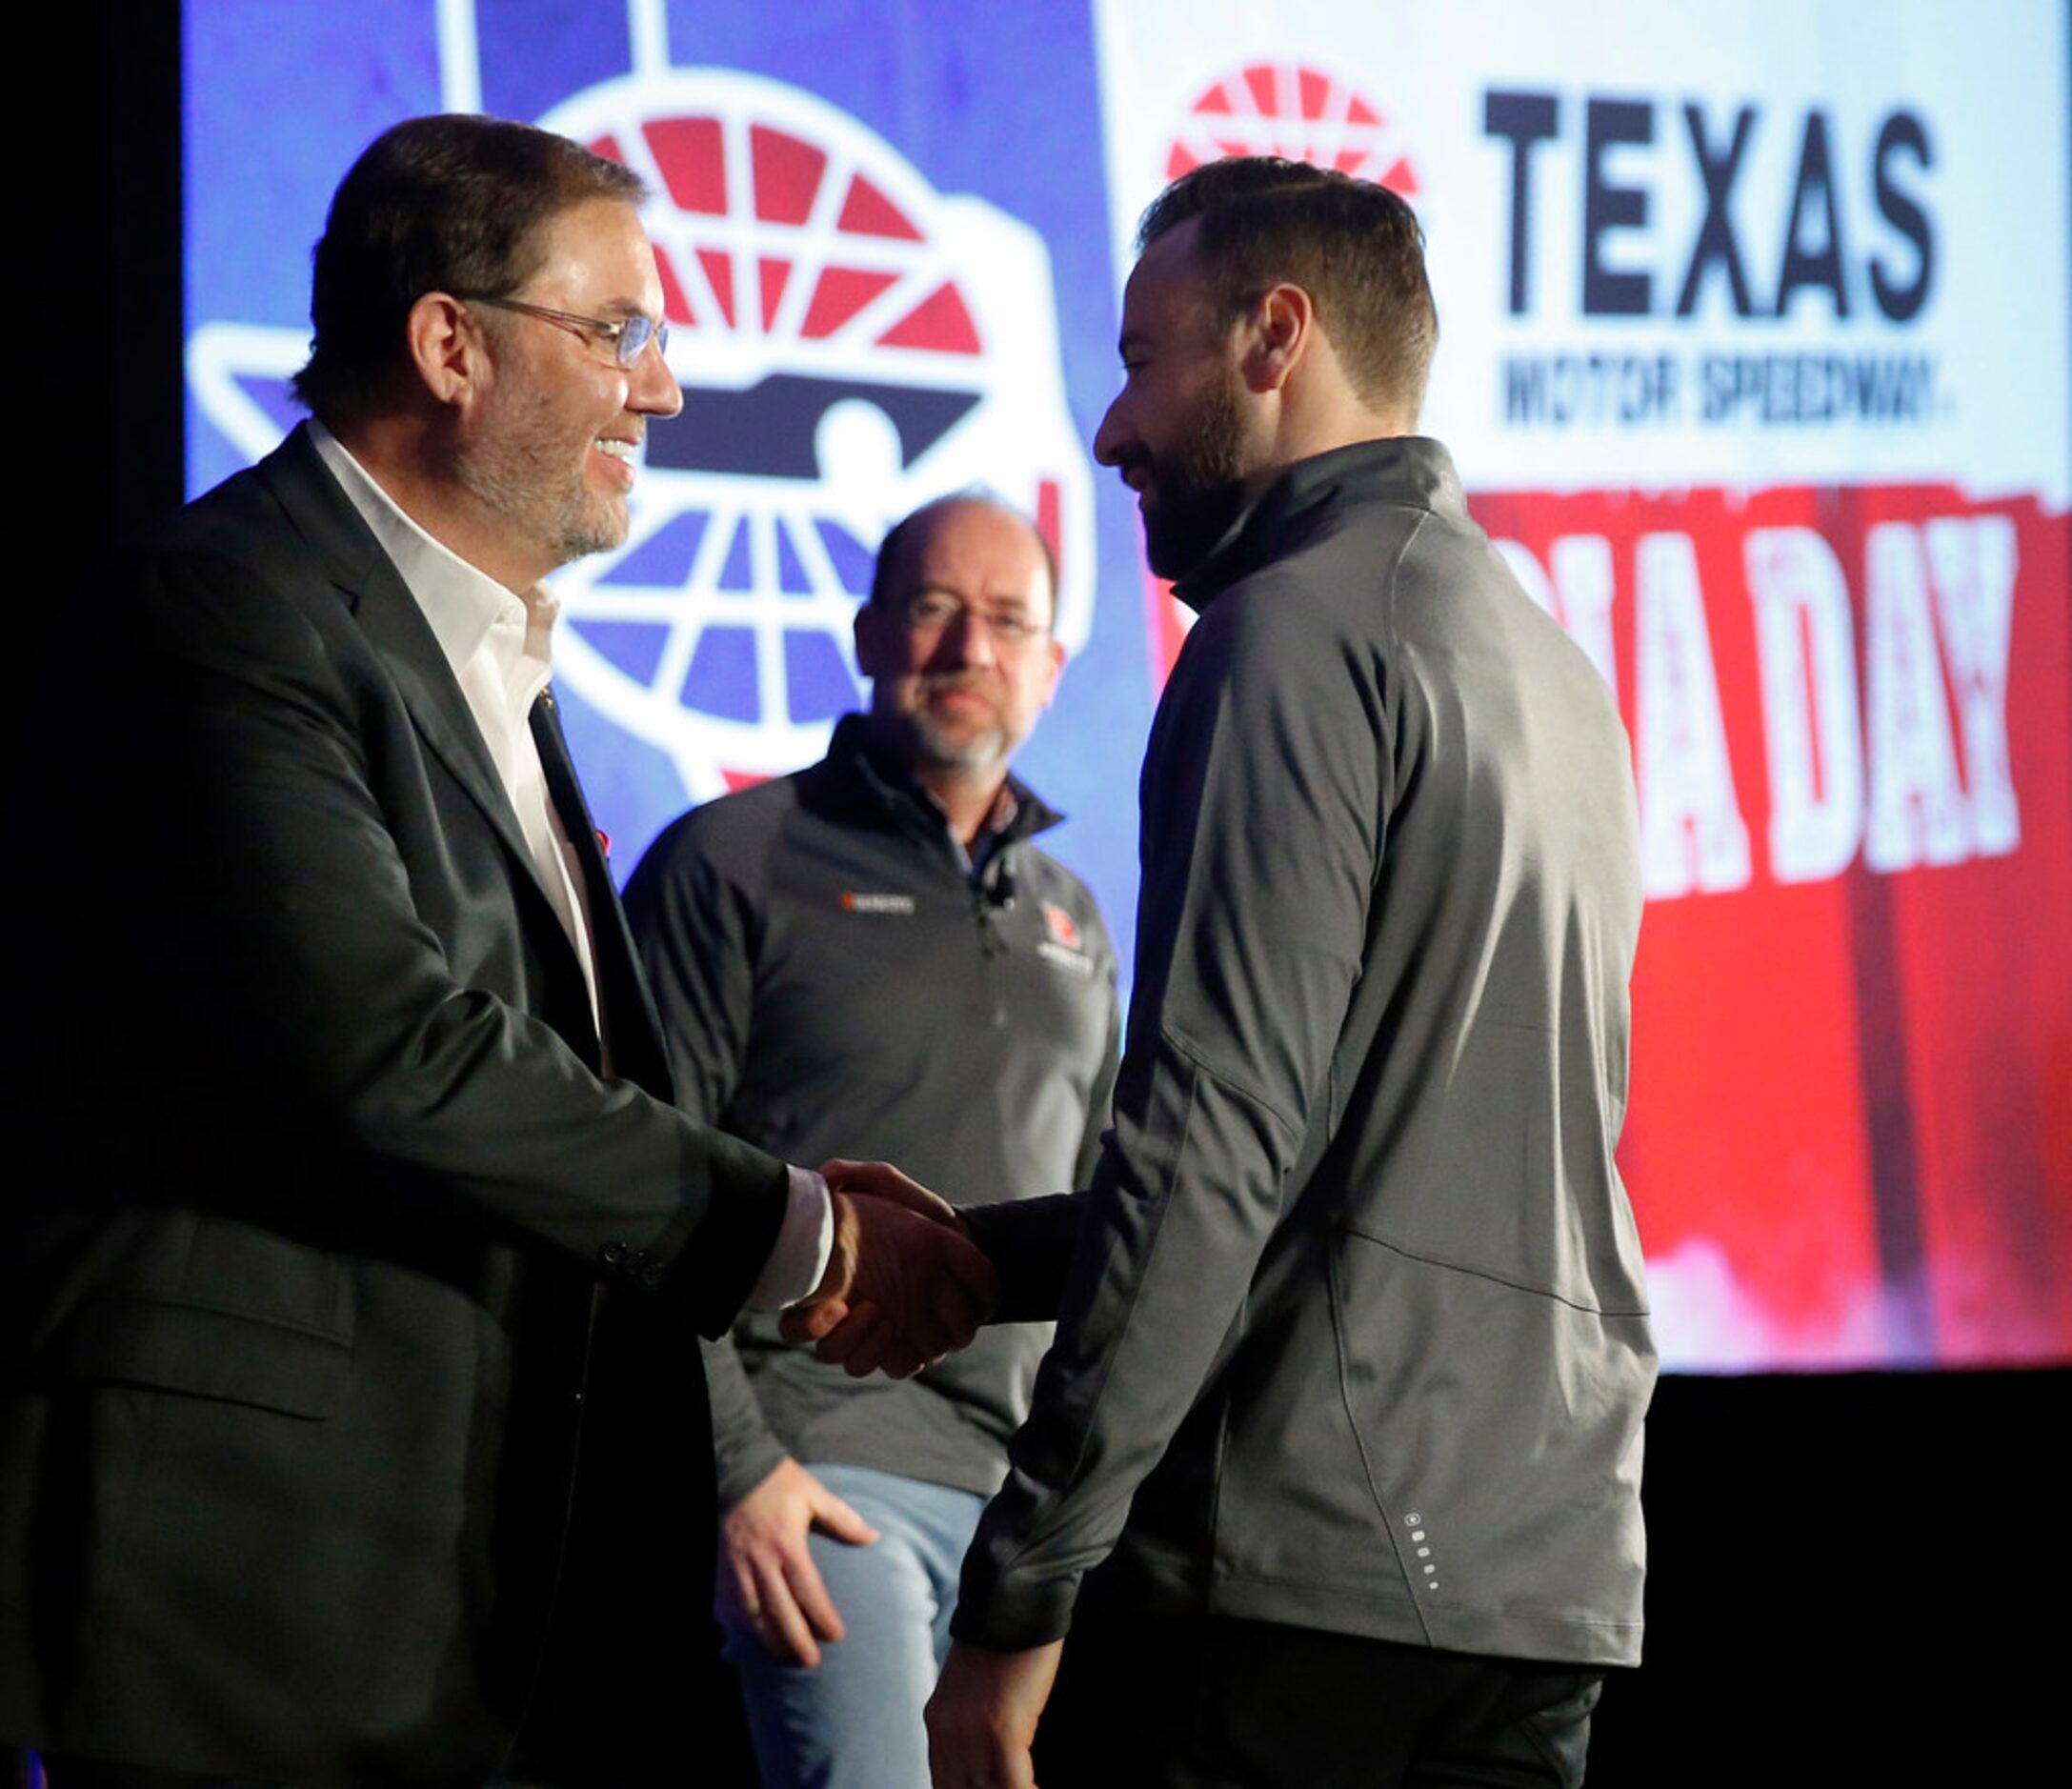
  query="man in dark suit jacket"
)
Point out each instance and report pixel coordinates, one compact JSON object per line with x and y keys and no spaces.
{"x":370,"y":1205}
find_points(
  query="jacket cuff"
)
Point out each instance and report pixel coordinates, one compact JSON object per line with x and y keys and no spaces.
{"x":1030,"y":1244}
{"x":741,"y":1472}
{"x":715,"y":1256}
{"x":798,"y":1261}
{"x":745,"y":1449}
{"x":1010,"y":1618}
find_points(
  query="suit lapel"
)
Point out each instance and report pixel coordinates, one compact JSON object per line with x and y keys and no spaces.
{"x":395,"y":626}
{"x":390,"y":617}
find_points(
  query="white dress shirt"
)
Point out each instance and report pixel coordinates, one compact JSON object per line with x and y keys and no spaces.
{"x":499,"y":644}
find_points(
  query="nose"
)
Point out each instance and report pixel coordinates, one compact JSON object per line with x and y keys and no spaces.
{"x":651,"y":388}
{"x":966,"y":642}
{"x":1114,"y":439}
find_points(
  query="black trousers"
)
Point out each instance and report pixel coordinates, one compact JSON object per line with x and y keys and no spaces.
{"x":1144,"y":1704}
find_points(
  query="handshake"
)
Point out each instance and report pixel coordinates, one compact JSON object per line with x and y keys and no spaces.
{"x":904,"y":1284}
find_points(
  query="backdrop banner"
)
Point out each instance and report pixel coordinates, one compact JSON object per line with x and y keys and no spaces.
{"x":1754,"y":333}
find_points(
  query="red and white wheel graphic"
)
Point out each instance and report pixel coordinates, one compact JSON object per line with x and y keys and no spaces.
{"x":851,"y":343}
{"x":776,"y":234}
{"x":1302,"y":114}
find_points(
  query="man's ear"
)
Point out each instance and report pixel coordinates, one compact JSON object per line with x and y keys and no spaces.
{"x":446,"y":348}
{"x":1278,"y":335}
{"x":870,"y":626}
{"x":1057,"y":656}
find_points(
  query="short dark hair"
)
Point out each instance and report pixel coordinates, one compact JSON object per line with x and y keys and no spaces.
{"x":451,"y":203}
{"x":897,"y":539}
{"x":1353,"y":246}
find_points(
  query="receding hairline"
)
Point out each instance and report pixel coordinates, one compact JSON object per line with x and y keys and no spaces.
{"x":911,"y":533}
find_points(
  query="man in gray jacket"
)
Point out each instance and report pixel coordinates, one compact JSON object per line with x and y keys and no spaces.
{"x":874,"y":950}
{"x":1334,"y":1470}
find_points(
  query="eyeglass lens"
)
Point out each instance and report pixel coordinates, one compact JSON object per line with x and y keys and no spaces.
{"x":634,"y":335}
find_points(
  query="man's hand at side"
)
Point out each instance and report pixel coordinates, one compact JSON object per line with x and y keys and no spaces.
{"x":904,"y":1285}
{"x":766,"y":1569}
{"x":983,"y":1717}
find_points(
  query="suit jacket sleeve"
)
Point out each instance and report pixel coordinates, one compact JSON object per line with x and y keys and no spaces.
{"x":301,"y":881}
{"x":1262,"y":792}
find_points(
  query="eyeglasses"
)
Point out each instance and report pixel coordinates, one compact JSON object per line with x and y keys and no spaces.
{"x":933,"y":613}
{"x":629,"y":338}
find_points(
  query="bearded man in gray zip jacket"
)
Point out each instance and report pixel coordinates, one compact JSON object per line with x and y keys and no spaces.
{"x":1334,"y":1469}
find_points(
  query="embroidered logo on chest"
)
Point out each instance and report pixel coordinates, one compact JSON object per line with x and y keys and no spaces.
{"x":855,"y":902}
{"x":1063,"y":927}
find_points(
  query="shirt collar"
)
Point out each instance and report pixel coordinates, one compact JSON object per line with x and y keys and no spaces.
{"x":1017,"y":811}
{"x":460,"y":602}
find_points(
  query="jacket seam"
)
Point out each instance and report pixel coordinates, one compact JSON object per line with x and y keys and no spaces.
{"x":1107,"y":1372}
{"x":1191,"y":1052}
{"x":1359,"y":1443}
{"x":1496,"y":1279}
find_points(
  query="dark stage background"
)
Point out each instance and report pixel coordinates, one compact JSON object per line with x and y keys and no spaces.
{"x":1854,"y":1578}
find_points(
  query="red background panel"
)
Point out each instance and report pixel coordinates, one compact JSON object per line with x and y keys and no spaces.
{"x":1850,"y":1140}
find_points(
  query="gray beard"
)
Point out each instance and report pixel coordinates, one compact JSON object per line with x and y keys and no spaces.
{"x":919,"y":741}
{"x":506,"y":480}
{"x":926,"y":742}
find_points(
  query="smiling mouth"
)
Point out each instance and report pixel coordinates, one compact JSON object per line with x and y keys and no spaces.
{"x":619,"y":455}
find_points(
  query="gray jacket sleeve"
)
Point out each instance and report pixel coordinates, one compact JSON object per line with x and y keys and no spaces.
{"x":1262,"y":796}
{"x":1097,"y":1104}
{"x":694,"y":929}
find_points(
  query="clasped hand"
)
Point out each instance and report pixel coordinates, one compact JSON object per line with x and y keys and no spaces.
{"x":904,"y":1285}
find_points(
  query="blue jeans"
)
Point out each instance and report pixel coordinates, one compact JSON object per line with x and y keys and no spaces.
{"x":855,"y":1721}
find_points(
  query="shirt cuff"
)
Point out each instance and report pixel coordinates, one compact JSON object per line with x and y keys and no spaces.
{"x":798,"y":1261}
